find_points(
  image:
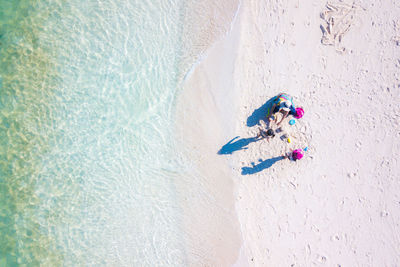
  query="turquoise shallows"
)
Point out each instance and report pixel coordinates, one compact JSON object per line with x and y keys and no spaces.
{"x":87,"y":154}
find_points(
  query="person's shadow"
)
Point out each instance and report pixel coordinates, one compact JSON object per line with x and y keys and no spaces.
{"x":233,"y":145}
{"x":257,"y":115}
{"x":260,"y":113}
{"x":264,"y":164}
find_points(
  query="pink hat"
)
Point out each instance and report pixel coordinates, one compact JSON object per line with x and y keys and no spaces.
{"x":297,"y":154}
{"x":299,"y":113}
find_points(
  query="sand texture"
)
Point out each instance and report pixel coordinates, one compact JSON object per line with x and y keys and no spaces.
{"x":205,"y":119}
{"x":340,"y":204}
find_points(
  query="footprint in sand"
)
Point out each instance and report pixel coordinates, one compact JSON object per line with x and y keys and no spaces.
{"x":338,"y":19}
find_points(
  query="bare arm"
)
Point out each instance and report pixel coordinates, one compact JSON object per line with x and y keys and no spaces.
{"x":271,"y":111}
{"x":283,"y":117}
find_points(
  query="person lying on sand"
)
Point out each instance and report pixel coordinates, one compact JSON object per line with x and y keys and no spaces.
{"x":283,"y":103}
{"x":296,"y":154}
{"x":264,"y":132}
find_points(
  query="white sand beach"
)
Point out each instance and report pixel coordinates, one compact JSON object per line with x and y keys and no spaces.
{"x":340,"y":204}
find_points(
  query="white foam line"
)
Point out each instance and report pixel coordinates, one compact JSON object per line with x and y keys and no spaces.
{"x":204,"y":54}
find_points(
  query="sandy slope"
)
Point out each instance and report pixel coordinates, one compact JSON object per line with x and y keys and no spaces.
{"x":340,"y":205}
{"x":206,"y":118}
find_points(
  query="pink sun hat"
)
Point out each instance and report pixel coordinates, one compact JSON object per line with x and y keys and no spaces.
{"x":299,"y":113}
{"x":297,"y":154}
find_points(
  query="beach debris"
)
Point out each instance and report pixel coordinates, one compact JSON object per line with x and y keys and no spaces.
{"x":352,"y":174}
{"x":335,"y":238}
{"x":289,"y":140}
{"x":321,"y":258}
{"x":295,"y":187}
{"x":338,"y":18}
{"x":292,"y":121}
{"x":384,"y":213}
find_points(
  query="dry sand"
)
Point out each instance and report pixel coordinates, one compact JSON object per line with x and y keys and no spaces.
{"x":340,"y":204}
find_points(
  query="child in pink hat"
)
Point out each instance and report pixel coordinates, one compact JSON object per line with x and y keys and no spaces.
{"x":299,"y":112}
{"x":296,"y":154}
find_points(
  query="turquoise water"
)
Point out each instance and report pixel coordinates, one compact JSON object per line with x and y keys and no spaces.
{"x":88,"y":156}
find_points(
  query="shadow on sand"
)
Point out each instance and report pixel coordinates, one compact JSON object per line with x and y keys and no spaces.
{"x":264,"y":164}
{"x":260,"y":113}
{"x":240,"y":144}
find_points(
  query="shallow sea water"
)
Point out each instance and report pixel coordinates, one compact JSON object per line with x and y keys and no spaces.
{"x":88,"y":157}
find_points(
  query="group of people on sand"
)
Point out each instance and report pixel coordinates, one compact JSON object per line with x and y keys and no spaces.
{"x":282,"y":106}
